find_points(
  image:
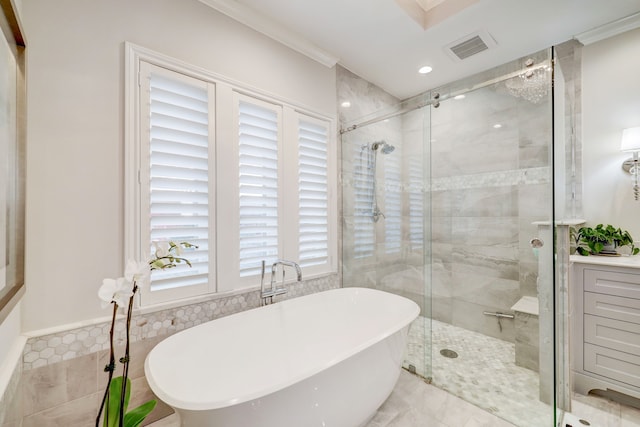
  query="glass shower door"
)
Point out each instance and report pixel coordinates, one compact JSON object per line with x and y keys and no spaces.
{"x":386,"y":218}
{"x":492,"y":242}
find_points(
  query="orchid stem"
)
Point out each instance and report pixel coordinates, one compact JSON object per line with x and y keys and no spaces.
{"x":110,"y":368}
{"x":125,"y":360}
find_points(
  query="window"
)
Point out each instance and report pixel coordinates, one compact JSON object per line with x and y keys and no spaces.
{"x":244,"y":176}
{"x":416,"y":204}
{"x":175,"y":150}
{"x":258,"y":130}
{"x":364,"y":227}
{"x":392,"y":202}
{"x":313,"y":193}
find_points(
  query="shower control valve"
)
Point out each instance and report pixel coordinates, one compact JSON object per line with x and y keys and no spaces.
{"x":536,"y":243}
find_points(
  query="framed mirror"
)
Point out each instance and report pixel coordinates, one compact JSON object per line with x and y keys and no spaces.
{"x":12,"y":158}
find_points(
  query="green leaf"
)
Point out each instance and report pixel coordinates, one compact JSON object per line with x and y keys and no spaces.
{"x":635,"y":251}
{"x":112,"y":414}
{"x":137,"y":415}
{"x":582,"y":251}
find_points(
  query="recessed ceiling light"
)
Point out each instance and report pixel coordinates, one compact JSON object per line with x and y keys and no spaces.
{"x":346,"y":104}
{"x":497,"y":126}
{"x":458,"y":97}
{"x":425,"y":70}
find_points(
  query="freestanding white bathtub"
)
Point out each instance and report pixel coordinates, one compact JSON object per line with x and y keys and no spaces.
{"x":328,"y":359}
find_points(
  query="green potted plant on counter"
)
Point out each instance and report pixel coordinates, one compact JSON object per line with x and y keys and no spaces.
{"x":603,"y":240}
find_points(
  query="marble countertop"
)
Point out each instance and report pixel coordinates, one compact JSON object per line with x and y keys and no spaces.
{"x":612,"y":261}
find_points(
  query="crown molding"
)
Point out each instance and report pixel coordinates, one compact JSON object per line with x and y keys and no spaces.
{"x":611,"y":29}
{"x":270,"y":28}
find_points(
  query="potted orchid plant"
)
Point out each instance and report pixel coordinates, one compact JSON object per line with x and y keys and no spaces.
{"x":120,"y":292}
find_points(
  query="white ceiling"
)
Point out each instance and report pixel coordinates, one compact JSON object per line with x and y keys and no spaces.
{"x":378,"y":41}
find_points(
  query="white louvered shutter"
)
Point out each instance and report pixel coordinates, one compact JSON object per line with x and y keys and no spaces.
{"x":313,"y":191}
{"x":258,"y":138}
{"x":416,"y":204}
{"x":178,"y":176}
{"x":392,"y":201}
{"x":363,"y":225}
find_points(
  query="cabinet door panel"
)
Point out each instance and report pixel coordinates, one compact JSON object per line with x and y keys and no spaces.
{"x":611,"y":306}
{"x":613,"y":364}
{"x":612,"y":283}
{"x":617,"y":335}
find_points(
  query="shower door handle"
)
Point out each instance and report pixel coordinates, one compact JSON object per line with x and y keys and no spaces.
{"x":536,"y":243}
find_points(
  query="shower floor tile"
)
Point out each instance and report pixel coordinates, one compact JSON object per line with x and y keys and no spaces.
{"x":485,"y":375}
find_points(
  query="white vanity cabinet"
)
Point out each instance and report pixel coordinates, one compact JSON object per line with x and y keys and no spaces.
{"x":605,"y":325}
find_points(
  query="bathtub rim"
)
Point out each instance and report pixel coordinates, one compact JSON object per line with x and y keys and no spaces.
{"x":404,"y":321}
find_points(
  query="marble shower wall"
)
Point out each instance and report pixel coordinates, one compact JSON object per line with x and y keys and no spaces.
{"x":568,"y":116}
{"x":388,"y":254}
{"x":471,"y":195}
{"x":490,"y":181}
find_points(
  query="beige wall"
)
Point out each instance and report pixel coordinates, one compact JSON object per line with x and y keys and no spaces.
{"x":75,"y":153}
{"x":75,"y":169}
{"x":611,"y":102}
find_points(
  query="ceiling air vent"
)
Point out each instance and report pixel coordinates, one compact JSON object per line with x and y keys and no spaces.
{"x":470,"y":45}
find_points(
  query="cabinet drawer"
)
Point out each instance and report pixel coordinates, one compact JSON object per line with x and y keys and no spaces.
{"x":617,"y":335}
{"x":612,"y":283}
{"x":612,"y":364}
{"x":614,"y":307}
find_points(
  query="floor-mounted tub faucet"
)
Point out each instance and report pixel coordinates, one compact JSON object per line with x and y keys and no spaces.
{"x":267,"y":295}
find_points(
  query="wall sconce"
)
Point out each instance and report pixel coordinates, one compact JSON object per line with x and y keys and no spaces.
{"x":631,"y":142}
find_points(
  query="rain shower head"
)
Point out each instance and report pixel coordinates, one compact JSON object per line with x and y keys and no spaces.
{"x":386,"y":148}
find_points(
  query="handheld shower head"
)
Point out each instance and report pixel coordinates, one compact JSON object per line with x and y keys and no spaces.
{"x":386,"y":148}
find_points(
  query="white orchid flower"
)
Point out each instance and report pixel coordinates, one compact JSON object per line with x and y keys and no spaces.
{"x":137,"y":271}
{"x":115,"y":290}
{"x":162,"y":249}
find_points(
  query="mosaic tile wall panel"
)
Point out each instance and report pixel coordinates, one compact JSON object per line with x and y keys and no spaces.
{"x":70,"y":344}
{"x":530,"y":176}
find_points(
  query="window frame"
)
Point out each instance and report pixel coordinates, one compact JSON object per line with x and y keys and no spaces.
{"x":149,"y":297}
{"x":332,"y":174}
{"x":224,"y":174}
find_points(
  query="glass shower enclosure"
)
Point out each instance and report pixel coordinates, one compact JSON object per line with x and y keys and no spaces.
{"x":448,"y":199}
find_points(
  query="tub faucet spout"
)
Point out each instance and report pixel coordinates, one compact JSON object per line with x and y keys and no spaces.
{"x":268,"y":294}
{"x":283,"y":262}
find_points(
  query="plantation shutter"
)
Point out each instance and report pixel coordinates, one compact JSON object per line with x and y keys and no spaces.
{"x":258,"y":167}
{"x":392,"y":202}
{"x":313,"y":191}
{"x":363,"y":225}
{"x":179,"y":175}
{"x":416,"y":204}
{"x":276,"y":168}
